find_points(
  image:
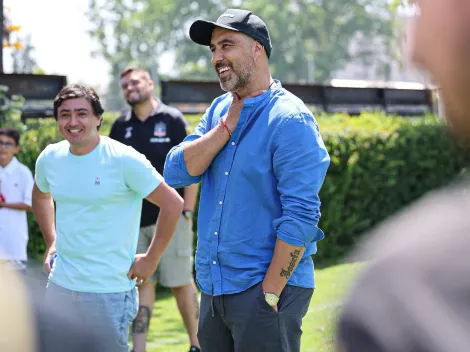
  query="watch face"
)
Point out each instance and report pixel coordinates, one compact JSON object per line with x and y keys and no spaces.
{"x":271,"y":298}
{"x":188,"y":214}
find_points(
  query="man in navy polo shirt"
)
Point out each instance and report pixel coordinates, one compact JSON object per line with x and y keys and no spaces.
{"x":153,"y":128}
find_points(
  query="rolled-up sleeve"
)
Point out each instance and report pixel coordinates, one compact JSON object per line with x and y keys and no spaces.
{"x":175,"y":171}
{"x":300,"y":163}
{"x":40,"y":174}
{"x":138,"y":173}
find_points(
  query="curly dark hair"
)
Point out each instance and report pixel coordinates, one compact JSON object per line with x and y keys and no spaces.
{"x":75,"y":91}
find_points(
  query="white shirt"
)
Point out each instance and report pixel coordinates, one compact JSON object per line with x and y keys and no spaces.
{"x":17,"y":187}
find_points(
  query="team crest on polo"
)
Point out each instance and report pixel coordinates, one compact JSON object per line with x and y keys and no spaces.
{"x":128,"y":132}
{"x":160,"y":129}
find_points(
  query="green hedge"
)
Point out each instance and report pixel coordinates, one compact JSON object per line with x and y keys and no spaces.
{"x":378,"y":165}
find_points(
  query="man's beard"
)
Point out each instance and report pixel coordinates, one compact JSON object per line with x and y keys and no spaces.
{"x":239,"y":76}
{"x":141,"y":98}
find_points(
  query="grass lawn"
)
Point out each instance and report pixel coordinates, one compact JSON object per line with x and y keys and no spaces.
{"x":167,"y":331}
{"x":193,"y":120}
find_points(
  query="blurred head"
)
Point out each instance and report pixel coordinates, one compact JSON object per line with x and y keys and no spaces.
{"x":16,"y":311}
{"x":78,"y":111}
{"x":9,"y":145}
{"x":441,"y":45}
{"x":137,"y":85}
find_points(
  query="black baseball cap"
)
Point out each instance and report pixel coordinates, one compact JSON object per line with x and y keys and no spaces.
{"x":236,"y":20}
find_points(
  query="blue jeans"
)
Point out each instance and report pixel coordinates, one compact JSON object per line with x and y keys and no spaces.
{"x":110,"y":314}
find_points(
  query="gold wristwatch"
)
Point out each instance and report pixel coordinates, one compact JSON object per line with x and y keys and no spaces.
{"x":188,"y":214}
{"x":271,"y":298}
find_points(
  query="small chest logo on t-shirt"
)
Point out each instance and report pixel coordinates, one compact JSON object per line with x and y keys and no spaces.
{"x":159,"y":130}
{"x":97,"y":181}
{"x":128,"y":132}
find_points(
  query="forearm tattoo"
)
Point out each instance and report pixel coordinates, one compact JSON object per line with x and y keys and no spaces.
{"x":293,"y":261}
{"x":141,"y":323}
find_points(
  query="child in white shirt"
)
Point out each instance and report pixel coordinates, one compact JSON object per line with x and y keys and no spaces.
{"x":16,"y":184}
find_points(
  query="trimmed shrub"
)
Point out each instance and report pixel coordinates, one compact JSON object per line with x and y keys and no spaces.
{"x":378,"y":165}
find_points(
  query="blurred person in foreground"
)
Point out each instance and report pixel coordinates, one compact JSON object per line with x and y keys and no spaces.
{"x":262,"y":162}
{"x":153,"y":128}
{"x":98,"y":185}
{"x":414,"y":295}
{"x":28,"y":324}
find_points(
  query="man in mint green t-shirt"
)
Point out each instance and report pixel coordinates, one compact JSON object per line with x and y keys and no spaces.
{"x":98,"y":185}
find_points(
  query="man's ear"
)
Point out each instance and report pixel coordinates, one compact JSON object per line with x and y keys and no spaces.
{"x":258,"y":49}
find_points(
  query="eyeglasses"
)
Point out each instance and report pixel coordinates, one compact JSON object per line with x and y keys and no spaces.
{"x":6,"y":144}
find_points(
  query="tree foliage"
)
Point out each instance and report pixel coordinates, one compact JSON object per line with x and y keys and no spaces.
{"x":23,"y":60}
{"x":132,"y":32}
{"x":20,"y":45}
{"x":311,"y":38}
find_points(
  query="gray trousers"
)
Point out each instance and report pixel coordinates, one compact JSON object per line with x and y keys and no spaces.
{"x":244,"y":322}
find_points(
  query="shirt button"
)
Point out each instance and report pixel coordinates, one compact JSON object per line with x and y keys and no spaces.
{"x":233,"y":143}
{"x":220,"y":202}
{"x":226,"y":174}
{"x":214,"y":262}
{"x":216,"y":233}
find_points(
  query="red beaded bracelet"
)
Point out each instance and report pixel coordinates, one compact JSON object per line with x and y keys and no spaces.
{"x":226,"y":127}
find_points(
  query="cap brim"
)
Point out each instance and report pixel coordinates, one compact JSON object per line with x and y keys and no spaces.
{"x":200,"y":31}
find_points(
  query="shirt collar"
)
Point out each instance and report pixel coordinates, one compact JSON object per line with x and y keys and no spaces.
{"x":276,"y":85}
{"x":159,"y":108}
{"x":10,"y":167}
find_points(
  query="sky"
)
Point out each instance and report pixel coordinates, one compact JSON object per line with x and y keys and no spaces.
{"x":58,"y":30}
{"x":58,"y":34}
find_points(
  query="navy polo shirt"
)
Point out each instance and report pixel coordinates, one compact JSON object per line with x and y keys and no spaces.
{"x":161,"y":131}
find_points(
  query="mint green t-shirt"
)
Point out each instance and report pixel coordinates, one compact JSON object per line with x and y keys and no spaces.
{"x":98,"y":205}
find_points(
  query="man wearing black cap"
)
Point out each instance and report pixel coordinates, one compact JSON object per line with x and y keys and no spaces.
{"x":262,"y":161}
{"x":152,"y":128}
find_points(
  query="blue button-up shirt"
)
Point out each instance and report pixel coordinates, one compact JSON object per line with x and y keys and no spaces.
{"x":262,"y":185}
